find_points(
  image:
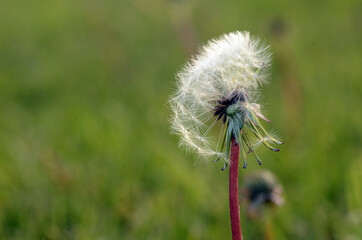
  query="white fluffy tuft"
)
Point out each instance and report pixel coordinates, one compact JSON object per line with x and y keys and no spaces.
{"x":233,"y":61}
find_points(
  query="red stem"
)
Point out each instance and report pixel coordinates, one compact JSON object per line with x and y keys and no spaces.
{"x":234,"y":192}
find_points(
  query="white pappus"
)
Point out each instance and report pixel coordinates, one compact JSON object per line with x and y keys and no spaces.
{"x":219,"y":85}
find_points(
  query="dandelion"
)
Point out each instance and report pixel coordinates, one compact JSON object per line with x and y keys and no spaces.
{"x":220,"y":85}
{"x":261,"y":194}
{"x":261,"y":190}
{"x":217,"y":90}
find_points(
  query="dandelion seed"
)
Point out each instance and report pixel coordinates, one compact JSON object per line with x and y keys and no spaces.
{"x":220,"y":86}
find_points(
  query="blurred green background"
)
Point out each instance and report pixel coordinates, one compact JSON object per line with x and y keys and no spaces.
{"x":85,"y":149}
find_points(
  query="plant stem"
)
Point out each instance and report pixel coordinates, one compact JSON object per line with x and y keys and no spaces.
{"x":234,"y":192}
{"x":268,"y":228}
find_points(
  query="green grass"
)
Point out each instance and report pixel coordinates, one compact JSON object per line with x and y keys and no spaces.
{"x":85,"y":146}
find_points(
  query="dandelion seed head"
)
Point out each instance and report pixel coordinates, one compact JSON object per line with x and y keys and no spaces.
{"x":220,"y":83}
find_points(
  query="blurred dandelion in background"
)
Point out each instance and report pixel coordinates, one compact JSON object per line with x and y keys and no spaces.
{"x":261,"y":190}
{"x":262,"y":196}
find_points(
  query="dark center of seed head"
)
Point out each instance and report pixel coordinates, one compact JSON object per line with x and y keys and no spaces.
{"x":227,"y":106}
